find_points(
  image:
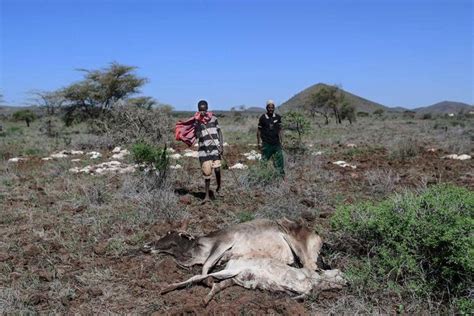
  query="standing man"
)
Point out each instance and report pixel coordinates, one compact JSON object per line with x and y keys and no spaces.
{"x":269,"y":133}
{"x":211,"y":147}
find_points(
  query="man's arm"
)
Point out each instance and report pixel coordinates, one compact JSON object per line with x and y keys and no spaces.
{"x":259,"y":138}
{"x":280,"y":133}
{"x":220,"y":137}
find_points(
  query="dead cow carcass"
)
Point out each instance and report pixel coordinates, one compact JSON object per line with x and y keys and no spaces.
{"x":266,"y":274}
{"x":282,"y":240}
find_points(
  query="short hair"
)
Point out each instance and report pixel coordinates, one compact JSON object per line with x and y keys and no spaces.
{"x":202,"y":102}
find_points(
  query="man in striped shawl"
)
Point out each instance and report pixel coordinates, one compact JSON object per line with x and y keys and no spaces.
{"x":211,"y":147}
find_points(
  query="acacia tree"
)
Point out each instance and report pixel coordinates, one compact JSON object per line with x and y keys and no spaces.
{"x":143,"y":102}
{"x":100,"y":91}
{"x":325,"y":100}
{"x":50,"y":100}
{"x":348,"y":112}
{"x":24,"y":115}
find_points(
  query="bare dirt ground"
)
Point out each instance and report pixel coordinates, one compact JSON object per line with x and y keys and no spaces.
{"x":71,"y":243}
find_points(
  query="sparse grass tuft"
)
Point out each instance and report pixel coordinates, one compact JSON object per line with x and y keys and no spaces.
{"x":261,"y":174}
{"x":404,"y":149}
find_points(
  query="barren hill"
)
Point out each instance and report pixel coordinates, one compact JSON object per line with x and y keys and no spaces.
{"x":445,"y":107}
{"x":303,"y":97}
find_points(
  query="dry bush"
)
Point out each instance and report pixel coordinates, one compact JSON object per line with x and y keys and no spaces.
{"x":152,"y":202}
{"x":279,"y":205}
{"x":404,"y":148}
{"x":91,"y":141}
{"x":129,"y":124}
{"x":382,"y":181}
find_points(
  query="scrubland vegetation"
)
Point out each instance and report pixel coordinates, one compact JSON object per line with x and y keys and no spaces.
{"x":399,"y":224}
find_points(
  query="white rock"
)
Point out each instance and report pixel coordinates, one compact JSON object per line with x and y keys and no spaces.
{"x":112,"y":163}
{"x":317,"y":153}
{"x":94,"y":154}
{"x":121,"y":154}
{"x":100,"y":170}
{"x":105,"y":167}
{"x":350,"y":145}
{"x":77,"y":152}
{"x":127,"y":169}
{"x":16,"y":159}
{"x":177,"y":166}
{"x":61,"y":154}
{"x":191,"y":153}
{"x":195,"y":145}
{"x":343,"y":164}
{"x":464,"y":157}
{"x":47,"y":158}
{"x":239,"y":165}
{"x":457,"y":157}
{"x":86,"y":169}
{"x":253,"y":155}
{"x":75,"y":160}
{"x":225,"y":144}
{"x":117,"y":149}
{"x":170,"y":150}
{"x":175,"y":156}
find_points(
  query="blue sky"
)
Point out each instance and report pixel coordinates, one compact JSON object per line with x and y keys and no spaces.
{"x":399,"y":53}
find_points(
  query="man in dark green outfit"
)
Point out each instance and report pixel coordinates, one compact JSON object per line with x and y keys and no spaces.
{"x":269,"y":134}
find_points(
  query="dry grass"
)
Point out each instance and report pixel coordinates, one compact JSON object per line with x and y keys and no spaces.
{"x":70,"y":243}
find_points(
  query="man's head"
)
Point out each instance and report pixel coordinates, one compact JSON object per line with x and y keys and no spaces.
{"x":202,"y":107}
{"x":270,"y":107}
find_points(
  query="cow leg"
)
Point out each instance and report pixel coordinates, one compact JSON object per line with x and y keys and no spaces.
{"x":214,"y":256}
{"x":174,"y":286}
{"x":221,"y":275}
{"x":300,"y":297}
{"x":216,"y":288}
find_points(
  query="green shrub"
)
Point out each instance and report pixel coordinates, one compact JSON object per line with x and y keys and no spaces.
{"x":24,"y":115}
{"x":148,"y":154}
{"x":379,"y":112}
{"x":156,"y":159}
{"x":427,"y":116}
{"x":15,"y":130}
{"x":297,"y":125}
{"x":245,"y":216}
{"x":32,"y":151}
{"x":412,"y":244}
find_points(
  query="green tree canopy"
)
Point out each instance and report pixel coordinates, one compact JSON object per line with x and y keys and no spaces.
{"x":101,"y":90}
{"x":24,"y":115}
{"x":327,"y":99}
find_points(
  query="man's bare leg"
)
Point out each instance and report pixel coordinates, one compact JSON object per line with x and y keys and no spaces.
{"x":217,"y":171}
{"x":207,"y":185}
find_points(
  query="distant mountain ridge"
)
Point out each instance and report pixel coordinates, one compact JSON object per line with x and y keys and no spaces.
{"x":445,"y":107}
{"x":301,"y":99}
{"x":255,"y":109}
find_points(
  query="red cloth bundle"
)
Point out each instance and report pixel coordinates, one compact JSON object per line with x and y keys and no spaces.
{"x":185,"y":131}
